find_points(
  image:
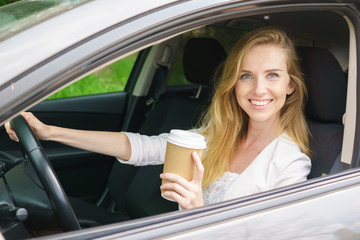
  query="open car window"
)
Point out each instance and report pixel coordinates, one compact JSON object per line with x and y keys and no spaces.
{"x":146,"y":92}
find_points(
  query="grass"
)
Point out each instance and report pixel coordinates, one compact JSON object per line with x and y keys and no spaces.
{"x":109,"y":79}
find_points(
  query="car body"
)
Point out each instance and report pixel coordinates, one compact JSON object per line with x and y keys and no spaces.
{"x":48,"y":50}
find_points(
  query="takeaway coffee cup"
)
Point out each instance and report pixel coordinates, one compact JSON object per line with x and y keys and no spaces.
{"x":180,"y":145}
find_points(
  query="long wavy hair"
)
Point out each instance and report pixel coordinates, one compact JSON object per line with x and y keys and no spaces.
{"x":225,"y":124}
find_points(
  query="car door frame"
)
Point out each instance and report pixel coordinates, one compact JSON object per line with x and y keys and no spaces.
{"x":171,"y":223}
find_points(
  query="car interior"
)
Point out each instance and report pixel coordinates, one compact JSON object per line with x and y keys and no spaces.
{"x":101,"y":190}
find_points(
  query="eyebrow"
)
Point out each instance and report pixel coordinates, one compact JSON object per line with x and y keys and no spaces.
{"x":269,"y":70}
{"x":274,"y":70}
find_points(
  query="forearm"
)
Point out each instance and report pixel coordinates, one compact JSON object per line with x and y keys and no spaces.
{"x":109,"y":143}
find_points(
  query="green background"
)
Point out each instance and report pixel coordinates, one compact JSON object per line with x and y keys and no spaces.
{"x":4,"y":2}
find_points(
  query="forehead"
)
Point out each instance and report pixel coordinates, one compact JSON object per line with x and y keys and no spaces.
{"x":265,"y":55}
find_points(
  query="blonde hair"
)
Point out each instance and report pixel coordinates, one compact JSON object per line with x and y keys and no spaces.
{"x":225,"y":124}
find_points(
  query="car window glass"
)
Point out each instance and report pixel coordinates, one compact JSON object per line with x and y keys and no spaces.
{"x":112,"y":78}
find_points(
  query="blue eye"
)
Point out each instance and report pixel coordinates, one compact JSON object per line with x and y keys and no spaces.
{"x":273,"y":75}
{"x":245,"y":76}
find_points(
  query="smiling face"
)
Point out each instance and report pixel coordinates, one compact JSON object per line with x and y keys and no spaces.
{"x":263,"y":84}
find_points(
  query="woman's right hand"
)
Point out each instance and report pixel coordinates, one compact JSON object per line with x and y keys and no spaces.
{"x":40,"y":129}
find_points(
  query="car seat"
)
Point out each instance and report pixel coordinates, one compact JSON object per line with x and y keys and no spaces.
{"x":327,"y":84}
{"x":202,"y":57}
{"x":136,"y":190}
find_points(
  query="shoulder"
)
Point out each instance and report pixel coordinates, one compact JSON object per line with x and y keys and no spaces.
{"x":285,"y":144}
{"x":287,"y":151}
{"x":289,"y":165}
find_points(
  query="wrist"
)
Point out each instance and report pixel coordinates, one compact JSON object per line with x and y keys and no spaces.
{"x":50,"y":133}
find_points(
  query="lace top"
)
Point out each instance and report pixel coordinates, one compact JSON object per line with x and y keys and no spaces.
{"x":216,"y":190}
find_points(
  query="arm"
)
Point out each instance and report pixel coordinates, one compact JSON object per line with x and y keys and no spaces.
{"x":293,"y":171}
{"x":114,"y":144}
{"x":109,"y":143}
{"x":289,"y":166}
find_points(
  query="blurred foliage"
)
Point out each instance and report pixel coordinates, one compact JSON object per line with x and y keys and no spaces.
{"x":4,"y":2}
{"x":109,"y":79}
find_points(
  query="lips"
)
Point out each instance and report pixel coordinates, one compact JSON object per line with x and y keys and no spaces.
{"x":260,"y":102}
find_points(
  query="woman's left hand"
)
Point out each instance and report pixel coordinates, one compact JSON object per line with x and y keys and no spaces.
{"x":186,"y":194}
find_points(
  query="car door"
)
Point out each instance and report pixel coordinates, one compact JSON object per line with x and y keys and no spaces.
{"x":241,"y":217}
{"x":319,"y":207}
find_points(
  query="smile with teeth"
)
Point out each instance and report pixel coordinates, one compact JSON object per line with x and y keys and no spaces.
{"x":260,"y":102}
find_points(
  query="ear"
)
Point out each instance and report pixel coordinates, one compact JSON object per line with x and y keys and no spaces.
{"x":290,"y":89}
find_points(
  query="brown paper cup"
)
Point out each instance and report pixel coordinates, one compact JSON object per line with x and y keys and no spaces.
{"x":180,"y":145}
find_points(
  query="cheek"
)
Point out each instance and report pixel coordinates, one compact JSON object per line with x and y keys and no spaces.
{"x":281,"y":95}
{"x":241,"y":96}
{"x":239,"y":93}
{"x":282,"y":88}
{"x":240,"y":90}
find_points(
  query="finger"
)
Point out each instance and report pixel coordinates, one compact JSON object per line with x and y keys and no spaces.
{"x":172,"y":177}
{"x":9,"y":128}
{"x":14,"y":137}
{"x":174,"y":196}
{"x":199,"y":168}
{"x":174,"y":187}
{"x":10,"y":131}
{"x":184,"y":202}
{"x":186,"y":194}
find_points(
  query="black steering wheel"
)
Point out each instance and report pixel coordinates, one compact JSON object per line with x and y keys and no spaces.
{"x":46,"y":174}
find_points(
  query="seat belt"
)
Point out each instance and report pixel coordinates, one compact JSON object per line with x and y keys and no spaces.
{"x":158,"y":84}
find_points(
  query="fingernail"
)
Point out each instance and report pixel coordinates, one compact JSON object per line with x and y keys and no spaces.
{"x":161,"y":175}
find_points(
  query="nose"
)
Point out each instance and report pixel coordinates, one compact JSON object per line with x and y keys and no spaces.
{"x":260,"y":86}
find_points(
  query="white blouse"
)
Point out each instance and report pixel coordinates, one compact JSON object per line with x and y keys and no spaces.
{"x":281,"y":163}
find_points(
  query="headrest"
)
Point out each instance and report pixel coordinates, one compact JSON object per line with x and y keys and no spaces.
{"x":326,"y":83}
{"x":201,"y":58}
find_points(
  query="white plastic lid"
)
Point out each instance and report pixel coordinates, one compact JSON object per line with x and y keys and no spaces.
{"x":186,"y":139}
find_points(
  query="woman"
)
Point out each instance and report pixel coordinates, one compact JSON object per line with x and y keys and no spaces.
{"x":261,"y":93}
{"x":255,"y":129}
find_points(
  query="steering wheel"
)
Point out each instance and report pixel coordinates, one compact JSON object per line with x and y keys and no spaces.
{"x":46,"y":174}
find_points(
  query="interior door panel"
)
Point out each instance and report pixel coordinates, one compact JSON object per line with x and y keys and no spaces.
{"x":92,"y":112}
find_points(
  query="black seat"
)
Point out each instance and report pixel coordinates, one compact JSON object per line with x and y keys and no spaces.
{"x":327,"y":84}
{"x":136,"y":190}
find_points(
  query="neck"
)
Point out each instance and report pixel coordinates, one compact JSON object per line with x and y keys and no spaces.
{"x":264,"y":131}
